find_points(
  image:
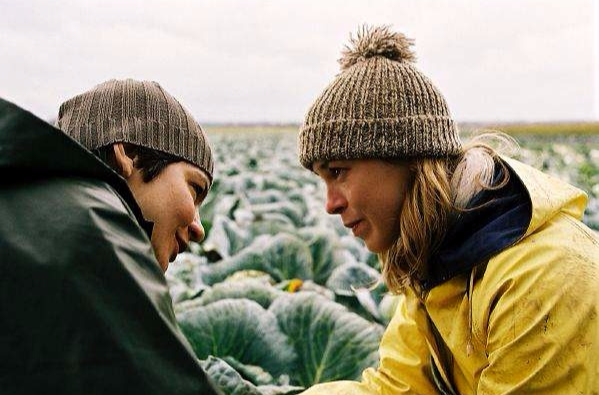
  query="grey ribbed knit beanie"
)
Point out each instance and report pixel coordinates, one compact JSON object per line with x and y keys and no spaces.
{"x":136,"y":112}
{"x":379,"y":106}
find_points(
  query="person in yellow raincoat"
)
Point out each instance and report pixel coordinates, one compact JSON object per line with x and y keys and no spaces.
{"x":499,"y":276}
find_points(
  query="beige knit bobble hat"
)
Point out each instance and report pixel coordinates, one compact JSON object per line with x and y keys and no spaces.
{"x":379,"y":106}
{"x":136,"y":112}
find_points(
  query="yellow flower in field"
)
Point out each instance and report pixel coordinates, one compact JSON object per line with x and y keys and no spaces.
{"x":294,"y":285}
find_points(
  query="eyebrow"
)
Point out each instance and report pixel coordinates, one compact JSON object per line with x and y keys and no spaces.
{"x":320,"y":167}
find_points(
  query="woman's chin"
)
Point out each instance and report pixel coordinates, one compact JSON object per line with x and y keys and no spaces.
{"x":375,"y":250}
{"x":373,"y":247}
{"x":377,"y":246}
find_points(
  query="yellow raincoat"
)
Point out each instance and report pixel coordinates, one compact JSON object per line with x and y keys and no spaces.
{"x":524,"y":323}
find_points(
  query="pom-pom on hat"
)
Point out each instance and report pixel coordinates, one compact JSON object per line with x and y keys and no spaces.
{"x":379,"y":106}
{"x":377,"y":41}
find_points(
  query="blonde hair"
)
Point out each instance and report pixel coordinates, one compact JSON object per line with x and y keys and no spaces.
{"x":439,"y":188}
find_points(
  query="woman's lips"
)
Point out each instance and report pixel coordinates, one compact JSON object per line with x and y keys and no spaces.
{"x":356,"y":227}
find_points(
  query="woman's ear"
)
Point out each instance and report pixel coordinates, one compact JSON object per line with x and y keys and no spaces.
{"x":123,"y":162}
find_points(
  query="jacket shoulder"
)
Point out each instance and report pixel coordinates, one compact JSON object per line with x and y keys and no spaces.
{"x":539,"y":300}
{"x":553,"y":272}
{"x":60,"y":215}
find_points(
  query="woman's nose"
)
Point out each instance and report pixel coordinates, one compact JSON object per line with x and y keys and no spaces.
{"x":196,"y":230}
{"x":336,"y":202}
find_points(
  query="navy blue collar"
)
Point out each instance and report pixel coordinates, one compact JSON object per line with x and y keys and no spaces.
{"x":475,"y":236}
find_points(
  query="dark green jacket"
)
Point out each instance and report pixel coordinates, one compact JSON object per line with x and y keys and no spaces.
{"x":84,"y":305}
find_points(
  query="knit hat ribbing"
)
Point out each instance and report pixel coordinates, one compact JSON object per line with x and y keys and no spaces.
{"x":136,"y":112}
{"x":379,"y":106}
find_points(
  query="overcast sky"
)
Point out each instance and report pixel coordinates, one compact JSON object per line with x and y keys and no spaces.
{"x":260,"y":60}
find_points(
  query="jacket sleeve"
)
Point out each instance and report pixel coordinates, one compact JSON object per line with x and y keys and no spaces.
{"x":404,"y":366}
{"x":542,"y":333}
{"x":84,"y":304}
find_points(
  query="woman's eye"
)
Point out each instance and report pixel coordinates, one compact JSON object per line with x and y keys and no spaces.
{"x":336,"y":172}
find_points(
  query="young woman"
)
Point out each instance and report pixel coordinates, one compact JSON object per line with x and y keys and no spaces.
{"x":500,"y":276}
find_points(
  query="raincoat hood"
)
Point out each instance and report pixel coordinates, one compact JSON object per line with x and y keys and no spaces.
{"x":548,"y":196}
{"x":499,"y":218}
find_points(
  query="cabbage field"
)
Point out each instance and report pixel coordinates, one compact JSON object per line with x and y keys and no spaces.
{"x":280,"y":296}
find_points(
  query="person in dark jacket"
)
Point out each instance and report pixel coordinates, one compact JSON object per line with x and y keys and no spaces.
{"x":84,"y":241}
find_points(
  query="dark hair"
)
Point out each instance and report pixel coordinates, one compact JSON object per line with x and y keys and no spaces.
{"x":151,"y":162}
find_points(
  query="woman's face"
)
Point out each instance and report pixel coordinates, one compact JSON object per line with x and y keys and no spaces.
{"x":368,"y":194}
{"x":171,"y":202}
